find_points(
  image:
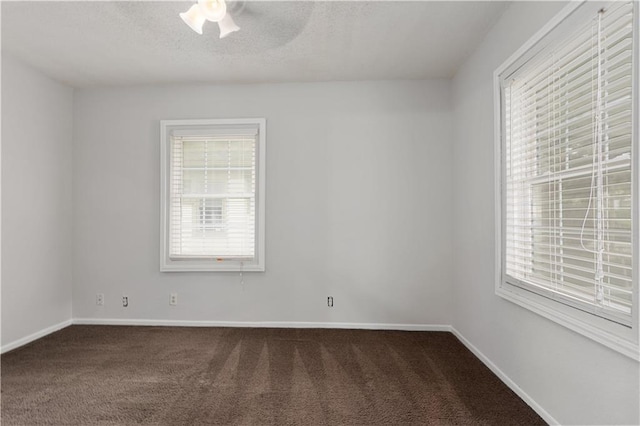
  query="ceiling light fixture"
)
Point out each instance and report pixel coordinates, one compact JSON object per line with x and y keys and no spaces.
{"x":210,"y":10}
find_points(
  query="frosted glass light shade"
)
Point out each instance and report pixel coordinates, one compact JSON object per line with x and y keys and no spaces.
{"x":194,"y":18}
{"x":227,"y":26}
{"x":213,"y":10}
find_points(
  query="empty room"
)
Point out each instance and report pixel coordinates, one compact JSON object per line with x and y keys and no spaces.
{"x":320,"y":212}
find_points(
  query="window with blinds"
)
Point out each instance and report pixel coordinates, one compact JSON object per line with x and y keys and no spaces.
{"x":212,"y":195}
{"x":567,"y":139}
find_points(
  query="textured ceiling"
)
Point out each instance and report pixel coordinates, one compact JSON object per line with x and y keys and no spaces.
{"x":88,"y":44}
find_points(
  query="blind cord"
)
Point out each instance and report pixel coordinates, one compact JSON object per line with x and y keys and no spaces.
{"x":597,"y":177}
{"x":600,"y":236}
{"x":593,"y":154}
{"x":242,"y":275}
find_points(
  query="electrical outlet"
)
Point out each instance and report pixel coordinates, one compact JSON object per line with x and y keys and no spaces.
{"x":125,"y":301}
{"x":330,"y":301}
{"x":173,"y":299}
{"x":100,"y":299}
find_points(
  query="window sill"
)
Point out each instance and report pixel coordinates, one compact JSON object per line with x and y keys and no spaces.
{"x":564,"y":315}
{"x":208,"y":266}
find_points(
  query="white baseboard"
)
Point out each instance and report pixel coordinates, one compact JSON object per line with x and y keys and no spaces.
{"x":35,"y":336}
{"x":505,"y":379}
{"x":261,"y":324}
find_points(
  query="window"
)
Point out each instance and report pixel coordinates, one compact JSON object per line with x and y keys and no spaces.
{"x":213,"y":186}
{"x":568,"y":142}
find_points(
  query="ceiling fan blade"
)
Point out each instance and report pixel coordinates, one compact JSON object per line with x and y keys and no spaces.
{"x":227,"y":26}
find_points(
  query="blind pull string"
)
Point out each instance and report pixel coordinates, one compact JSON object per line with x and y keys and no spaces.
{"x":594,"y":145}
{"x":599,"y":183}
{"x":597,"y":175}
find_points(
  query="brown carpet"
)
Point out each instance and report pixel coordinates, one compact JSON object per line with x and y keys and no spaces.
{"x":99,"y":375}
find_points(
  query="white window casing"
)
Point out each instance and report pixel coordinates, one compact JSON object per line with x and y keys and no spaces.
{"x":213,"y":195}
{"x":567,"y":173}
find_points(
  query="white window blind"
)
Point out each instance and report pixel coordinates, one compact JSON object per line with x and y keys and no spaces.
{"x":567,"y":167}
{"x":213,"y":185}
{"x":212,"y":195}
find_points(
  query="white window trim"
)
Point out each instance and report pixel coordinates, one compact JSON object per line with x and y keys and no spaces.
{"x":622,"y":339}
{"x":209,"y":265}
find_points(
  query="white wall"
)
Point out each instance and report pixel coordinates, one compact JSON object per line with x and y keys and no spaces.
{"x":365,"y":183}
{"x":576,"y":380}
{"x":358,"y":204}
{"x":36,"y":201}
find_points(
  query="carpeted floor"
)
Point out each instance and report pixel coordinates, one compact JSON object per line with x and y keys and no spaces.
{"x":99,"y":375}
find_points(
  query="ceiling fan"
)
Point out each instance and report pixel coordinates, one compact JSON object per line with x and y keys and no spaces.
{"x":210,"y":10}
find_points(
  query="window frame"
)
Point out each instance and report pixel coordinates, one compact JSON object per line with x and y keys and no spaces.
{"x":209,"y":264}
{"x":621,"y":338}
